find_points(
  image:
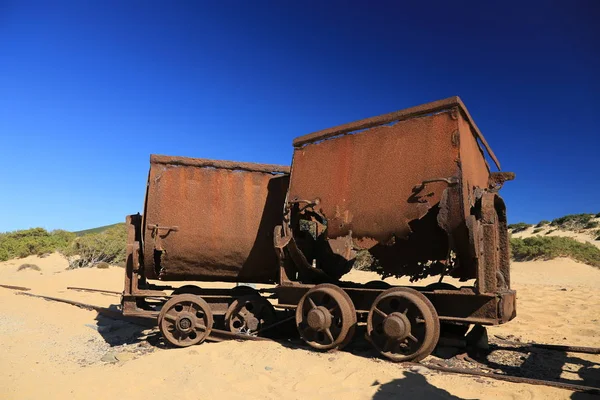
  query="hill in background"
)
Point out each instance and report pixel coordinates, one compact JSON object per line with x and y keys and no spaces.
{"x":96,"y":230}
{"x":582,"y":227}
{"x":576,"y":236}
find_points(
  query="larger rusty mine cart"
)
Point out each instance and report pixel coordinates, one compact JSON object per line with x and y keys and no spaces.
{"x":407,"y":194}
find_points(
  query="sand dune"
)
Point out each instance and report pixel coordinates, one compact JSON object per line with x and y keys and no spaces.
{"x":54,"y":350}
{"x":584,"y":236}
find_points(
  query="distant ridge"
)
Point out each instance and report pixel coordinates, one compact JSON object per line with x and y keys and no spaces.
{"x":96,"y":230}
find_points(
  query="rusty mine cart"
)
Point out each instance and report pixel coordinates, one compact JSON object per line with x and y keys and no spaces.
{"x":411,"y":191}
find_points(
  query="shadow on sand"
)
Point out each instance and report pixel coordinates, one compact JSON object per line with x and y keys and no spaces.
{"x":412,"y":386}
{"x":117,"y":332}
{"x":538,"y":363}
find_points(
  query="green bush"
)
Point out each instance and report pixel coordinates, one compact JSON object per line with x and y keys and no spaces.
{"x":572,"y":221}
{"x":542,"y":223}
{"x":107,"y":246}
{"x":591,"y":225}
{"x":94,"y":249}
{"x":4,"y":254}
{"x":537,"y":230}
{"x":549,"y":247}
{"x":518,"y":227}
{"x":35,"y":241}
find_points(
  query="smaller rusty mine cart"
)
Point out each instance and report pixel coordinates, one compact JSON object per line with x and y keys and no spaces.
{"x":404,"y":194}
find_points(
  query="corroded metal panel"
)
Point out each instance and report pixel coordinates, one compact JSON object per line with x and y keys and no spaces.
{"x":408,"y":113}
{"x":407,"y":186}
{"x":212,"y":220}
{"x":372,"y":185}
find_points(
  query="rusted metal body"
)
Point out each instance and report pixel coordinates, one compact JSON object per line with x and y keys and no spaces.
{"x":212,"y":220}
{"x":412,"y":188}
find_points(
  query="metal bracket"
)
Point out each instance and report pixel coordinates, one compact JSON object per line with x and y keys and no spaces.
{"x":451,"y":181}
{"x":156,"y":234}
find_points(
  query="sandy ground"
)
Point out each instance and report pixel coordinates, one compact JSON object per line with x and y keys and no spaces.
{"x":53,"y":350}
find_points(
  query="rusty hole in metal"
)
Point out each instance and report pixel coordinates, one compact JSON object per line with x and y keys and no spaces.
{"x":424,"y":252}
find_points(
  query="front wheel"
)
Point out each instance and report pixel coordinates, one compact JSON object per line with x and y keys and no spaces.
{"x":326,"y":317}
{"x":403,"y":325}
{"x":185,"y":320}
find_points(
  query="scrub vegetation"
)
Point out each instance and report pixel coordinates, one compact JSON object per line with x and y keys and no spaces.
{"x":549,"y":247}
{"x":95,"y":247}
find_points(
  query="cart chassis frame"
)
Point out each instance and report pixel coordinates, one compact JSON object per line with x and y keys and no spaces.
{"x":463,"y":306}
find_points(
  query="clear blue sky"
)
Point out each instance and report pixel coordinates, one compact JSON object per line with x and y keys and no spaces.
{"x":89,"y":89}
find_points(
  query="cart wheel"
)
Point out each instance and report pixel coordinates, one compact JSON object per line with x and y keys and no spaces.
{"x":185,"y":320}
{"x":403,"y":325}
{"x":326,"y":317}
{"x":249,"y":314}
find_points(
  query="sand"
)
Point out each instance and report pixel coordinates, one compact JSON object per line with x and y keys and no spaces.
{"x":53,"y":350}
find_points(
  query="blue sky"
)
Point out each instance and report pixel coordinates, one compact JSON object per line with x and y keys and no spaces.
{"x":91,"y":88}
